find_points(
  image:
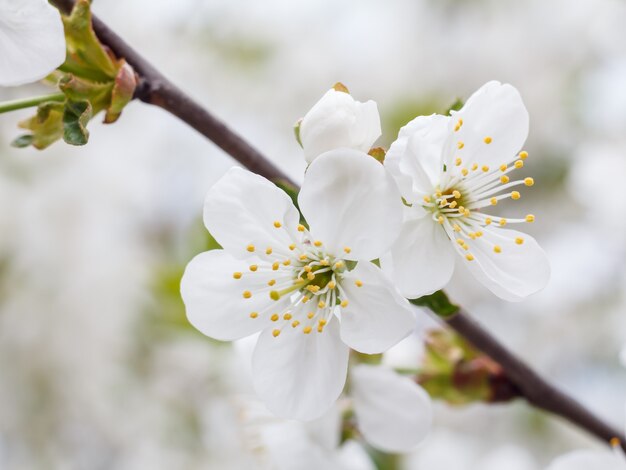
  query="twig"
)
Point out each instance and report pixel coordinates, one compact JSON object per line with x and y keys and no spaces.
{"x":155,"y":89}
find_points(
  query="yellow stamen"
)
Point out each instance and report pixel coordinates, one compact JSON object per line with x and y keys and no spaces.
{"x":292,"y":246}
{"x":275,"y":333}
{"x":295,"y":323}
{"x":237,"y":275}
{"x":339,"y":265}
{"x":331,"y":285}
{"x":358,"y":283}
{"x":458,"y":162}
{"x":271,"y":282}
{"x":302,"y":257}
{"x":268,"y":251}
{"x":515,"y":195}
{"x":519,"y":164}
{"x":440,"y":219}
{"x":497,"y":249}
{"x":485,"y":168}
{"x":487,"y":140}
{"x":250,"y":248}
{"x":529,"y":181}
{"x":287,"y":316}
{"x":287,"y":262}
{"x":308,"y":268}
{"x":306,"y":330}
{"x":523,"y":155}
{"x":321,"y":304}
{"x":247,"y":294}
{"x":460,"y":145}
{"x":530,"y":218}
{"x":502,"y":222}
{"x":254,"y":314}
{"x":317,"y":243}
{"x":457,"y":194}
{"x":275,"y":266}
{"x":464,"y":171}
{"x":504,"y":179}
{"x":324,"y":262}
{"x":488,"y":221}
{"x":347,"y":249}
{"x":301,"y":228}
{"x":453,"y":204}
{"x":503,"y":167}
{"x":274,"y":317}
{"x":322,"y":322}
{"x":456,"y":228}
{"x":277,"y":224}
{"x":253,"y":267}
{"x":469,"y":257}
{"x":493,"y":201}
{"x":519,"y":240}
{"x":310,"y":315}
{"x":344,"y":303}
{"x":475,"y":167}
{"x":310,"y":276}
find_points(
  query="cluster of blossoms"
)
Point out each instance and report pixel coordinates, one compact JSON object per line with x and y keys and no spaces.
{"x":305,"y":278}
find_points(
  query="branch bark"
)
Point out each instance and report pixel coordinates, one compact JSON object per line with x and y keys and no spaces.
{"x":156,"y":89}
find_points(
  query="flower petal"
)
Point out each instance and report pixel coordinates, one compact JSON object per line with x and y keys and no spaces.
{"x":588,"y":460}
{"x":214,"y":298}
{"x":350,"y":200}
{"x":241,"y":209}
{"x":494,"y":126}
{"x":421,"y":260}
{"x":415,"y":158}
{"x":300,"y":375}
{"x":518,"y":271}
{"x":337,"y":120}
{"x":393,"y":413}
{"x":376,"y":317}
{"x":32,"y":41}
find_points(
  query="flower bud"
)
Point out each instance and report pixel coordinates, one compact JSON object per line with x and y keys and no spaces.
{"x":338,"y":120}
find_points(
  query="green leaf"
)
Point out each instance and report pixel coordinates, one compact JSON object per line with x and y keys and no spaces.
{"x":438,"y":303}
{"x":23,"y":141}
{"x":76,"y":115}
{"x":46,"y":126}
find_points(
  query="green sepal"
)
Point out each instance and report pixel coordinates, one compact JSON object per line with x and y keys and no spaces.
{"x":438,"y":303}
{"x":296,"y":131}
{"x":458,"y":104}
{"x":92,"y":79}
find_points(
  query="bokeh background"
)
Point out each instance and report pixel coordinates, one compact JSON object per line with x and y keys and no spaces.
{"x":98,"y":366}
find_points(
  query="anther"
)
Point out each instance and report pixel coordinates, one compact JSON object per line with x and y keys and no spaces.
{"x":321,"y":304}
{"x":274,"y":317}
{"x":310,"y":315}
{"x":485,"y":168}
{"x":287,"y":316}
{"x":475,"y":167}
{"x":519,"y":240}
{"x":275,"y":266}
{"x":344,"y":303}
{"x":268,"y":251}
{"x":487,"y":140}
{"x":275,"y":333}
{"x":464,"y":171}
{"x":250,"y":248}
{"x":295,"y":323}
{"x":453,"y":204}
{"x":427,"y":199}
{"x":310,"y":276}
{"x":518,"y":164}
{"x":287,"y":262}
{"x":457,"y":194}
{"x":530,"y":218}
{"x":504,"y":179}
{"x":322,"y":322}
{"x":302,"y":257}
{"x":493,"y":201}
{"x":497,"y":249}
{"x":324,"y":262}
{"x":440,"y":219}
{"x":292,"y":246}
{"x":301,"y":228}
{"x":469,"y":257}
{"x":347,"y":249}
{"x":237,"y":275}
{"x":358,"y":283}
{"x":271,"y":282}
{"x":456,"y":228}
{"x":503,"y":167}
{"x":338,"y":265}
{"x":458,"y":162}
{"x":253,"y":267}
{"x":615,"y":442}
{"x":523,"y":155}
{"x":317,"y":243}
{"x":277,"y":224}
{"x":247,"y":294}
{"x":254,"y":314}
{"x":460,"y":145}
{"x":515,"y":195}
{"x":308,"y":268}
{"x":529,"y":181}
{"x":331,"y":285}
{"x":306,"y":330}
{"x":502,"y":222}
{"x":488,"y":221}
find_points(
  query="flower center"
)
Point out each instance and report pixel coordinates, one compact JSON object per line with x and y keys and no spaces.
{"x":458,"y":201}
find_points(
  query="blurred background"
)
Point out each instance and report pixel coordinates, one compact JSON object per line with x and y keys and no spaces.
{"x":98,"y":366}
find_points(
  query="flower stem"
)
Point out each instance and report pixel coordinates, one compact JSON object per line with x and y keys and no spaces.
{"x":8,"y":106}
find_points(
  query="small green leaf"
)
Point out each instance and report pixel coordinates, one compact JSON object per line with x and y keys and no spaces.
{"x":438,"y":303}
{"x":75,"y":118}
{"x":23,"y":141}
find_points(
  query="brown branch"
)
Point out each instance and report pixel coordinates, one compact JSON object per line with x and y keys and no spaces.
{"x":155,"y":89}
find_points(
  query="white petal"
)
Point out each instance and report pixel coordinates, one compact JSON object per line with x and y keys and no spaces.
{"x":214,"y":298}
{"x":588,"y":460}
{"x":350,"y":200}
{"x":415,"y":158}
{"x":32,"y":41}
{"x":354,"y":457}
{"x":495,"y":111}
{"x":421,"y":260}
{"x":337,"y":120}
{"x":240,"y":210}
{"x":393,"y":413}
{"x":326,"y":430}
{"x":376,"y":317}
{"x":297,"y":375}
{"x":515,"y":273}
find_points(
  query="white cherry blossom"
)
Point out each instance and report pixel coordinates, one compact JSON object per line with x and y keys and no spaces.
{"x":32,"y":41}
{"x":450,"y":169}
{"x":297,"y":285}
{"x":591,"y":460}
{"x":393,"y":412}
{"x":337,"y":120}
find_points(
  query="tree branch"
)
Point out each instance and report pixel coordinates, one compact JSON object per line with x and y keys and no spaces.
{"x":155,"y":89}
